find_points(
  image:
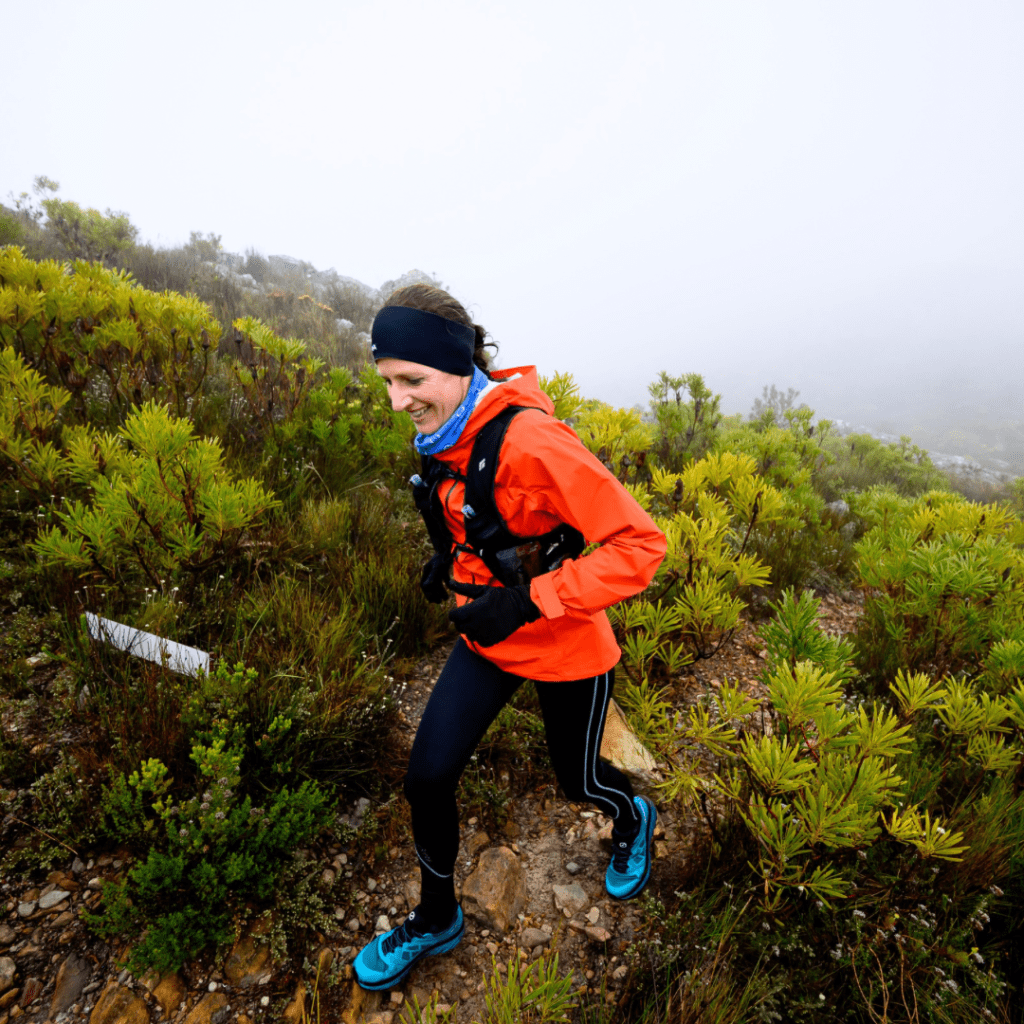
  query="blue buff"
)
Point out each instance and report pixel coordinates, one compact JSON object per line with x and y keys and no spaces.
{"x":449,"y":432}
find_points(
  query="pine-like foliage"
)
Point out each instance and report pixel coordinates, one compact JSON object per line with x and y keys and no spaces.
{"x":111,"y":344}
{"x":162,"y":500}
{"x":945,"y":587}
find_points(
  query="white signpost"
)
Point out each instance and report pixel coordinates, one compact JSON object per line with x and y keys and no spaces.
{"x":187,"y":661}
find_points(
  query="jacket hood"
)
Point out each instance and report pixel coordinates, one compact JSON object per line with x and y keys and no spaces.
{"x":515,"y":385}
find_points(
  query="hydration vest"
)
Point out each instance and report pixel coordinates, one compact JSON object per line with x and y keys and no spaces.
{"x":512,"y":560}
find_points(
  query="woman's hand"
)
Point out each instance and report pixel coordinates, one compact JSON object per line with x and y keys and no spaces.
{"x":494,"y":614}
{"x":433,"y":579}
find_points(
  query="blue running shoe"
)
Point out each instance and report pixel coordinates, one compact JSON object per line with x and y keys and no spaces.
{"x":384,"y":962}
{"x":631,"y":862}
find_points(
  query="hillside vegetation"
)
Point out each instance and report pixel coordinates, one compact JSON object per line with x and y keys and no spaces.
{"x":221,"y":467}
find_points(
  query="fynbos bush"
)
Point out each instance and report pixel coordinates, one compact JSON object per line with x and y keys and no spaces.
{"x":163,"y":501}
{"x":870,"y":838}
{"x":707,"y":513}
{"x":945,"y":587}
{"x":209,"y":852}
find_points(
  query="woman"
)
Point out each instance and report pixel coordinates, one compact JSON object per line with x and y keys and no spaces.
{"x":553,"y":630}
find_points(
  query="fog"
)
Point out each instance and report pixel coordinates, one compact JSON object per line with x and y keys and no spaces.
{"x":821,"y":196}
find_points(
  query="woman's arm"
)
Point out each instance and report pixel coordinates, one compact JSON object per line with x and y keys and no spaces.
{"x":545,"y":471}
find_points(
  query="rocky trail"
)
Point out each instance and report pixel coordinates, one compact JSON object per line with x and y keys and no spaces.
{"x":532,"y":888}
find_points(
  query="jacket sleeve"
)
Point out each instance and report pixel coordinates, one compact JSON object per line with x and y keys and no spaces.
{"x":548,"y":470}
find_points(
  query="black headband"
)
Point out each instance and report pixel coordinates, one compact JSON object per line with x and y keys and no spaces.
{"x":425,"y":338}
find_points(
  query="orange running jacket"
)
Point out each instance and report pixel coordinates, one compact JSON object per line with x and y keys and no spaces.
{"x":547,"y":476}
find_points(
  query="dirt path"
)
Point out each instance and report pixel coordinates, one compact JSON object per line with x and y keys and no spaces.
{"x":52,"y":969}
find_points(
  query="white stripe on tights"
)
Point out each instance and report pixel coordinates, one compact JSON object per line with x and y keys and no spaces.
{"x":419,"y":857}
{"x":590,"y":761}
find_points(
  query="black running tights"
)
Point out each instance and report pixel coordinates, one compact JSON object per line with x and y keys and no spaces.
{"x":467,"y":697}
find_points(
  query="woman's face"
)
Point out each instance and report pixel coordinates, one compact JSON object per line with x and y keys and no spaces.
{"x":430,"y":396}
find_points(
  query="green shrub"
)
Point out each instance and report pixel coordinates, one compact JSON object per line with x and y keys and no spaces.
{"x":59,"y":811}
{"x":804,"y":545}
{"x":860,"y":462}
{"x":87,"y":233}
{"x":685,"y":430}
{"x":212,"y":853}
{"x":163,"y":503}
{"x":96,"y":334}
{"x":12,"y":231}
{"x":869,"y":842}
{"x":314,"y":433}
{"x":708,"y":514}
{"x":944,"y":581}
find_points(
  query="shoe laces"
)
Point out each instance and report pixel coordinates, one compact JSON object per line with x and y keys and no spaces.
{"x":621,"y":854}
{"x":401,"y":935}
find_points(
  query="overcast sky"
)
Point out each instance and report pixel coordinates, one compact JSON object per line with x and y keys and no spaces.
{"x":761,"y":192}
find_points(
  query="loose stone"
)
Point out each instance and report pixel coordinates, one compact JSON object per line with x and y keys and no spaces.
{"x":51,"y":899}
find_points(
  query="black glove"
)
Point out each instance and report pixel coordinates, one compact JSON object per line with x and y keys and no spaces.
{"x":433,"y":579}
{"x":496,"y":613}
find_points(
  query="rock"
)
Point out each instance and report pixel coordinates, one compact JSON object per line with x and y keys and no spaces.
{"x":71,"y":979}
{"x":327,"y":878}
{"x":324,"y":961}
{"x":170,"y":993}
{"x":597,"y":934}
{"x":570,"y":899}
{"x":620,"y":972}
{"x":838,"y":508}
{"x":361,"y":1003}
{"x":476,"y":843}
{"x":295,"y":1011}
{"x":211,"y":1009}
{"x":247,"y":962}
{"x":7,"y":972}
{"x":77,"y":867}
{"x":10,"y":996}
{"x":30,"y":993}
{"x":352,"y":924}
{"x":52,"y":898}
{"x":620,"y":746}
{"x":594,"y":915}
{"x":496,"y":892}
{"x":412,"y":892}
{"x":383,"y":924}
{"x":572,"y":867}
{"x":118,"y":1005}
{"x":534,"y":937}
{"x":7,"y":935}
{"x":27,"y":909}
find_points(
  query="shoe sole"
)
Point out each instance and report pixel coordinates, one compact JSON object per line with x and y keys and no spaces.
{"x":446,"y":947}
{"x":652,"y":818}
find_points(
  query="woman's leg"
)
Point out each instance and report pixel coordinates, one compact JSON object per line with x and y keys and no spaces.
{"x":467,"y":697}
{"x":574,"y":724}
